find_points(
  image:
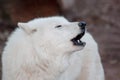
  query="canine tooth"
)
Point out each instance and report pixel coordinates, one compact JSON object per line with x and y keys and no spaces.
{"x":78,"y":41}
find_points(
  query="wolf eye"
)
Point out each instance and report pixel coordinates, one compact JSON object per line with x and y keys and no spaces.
{"x":58,"y":26}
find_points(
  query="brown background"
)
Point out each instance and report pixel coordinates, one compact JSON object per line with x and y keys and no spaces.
{"x":102,"y":17}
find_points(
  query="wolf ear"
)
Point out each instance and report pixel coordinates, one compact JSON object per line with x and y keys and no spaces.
{"x":26,"y":28}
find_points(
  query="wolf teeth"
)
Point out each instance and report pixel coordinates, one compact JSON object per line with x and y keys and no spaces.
{"x":78,"y":41}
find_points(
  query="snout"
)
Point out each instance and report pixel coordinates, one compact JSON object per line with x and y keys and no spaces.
{"x":76,"y":40}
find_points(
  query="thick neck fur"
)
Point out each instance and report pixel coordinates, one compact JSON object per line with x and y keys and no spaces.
{"x":38,"y":63}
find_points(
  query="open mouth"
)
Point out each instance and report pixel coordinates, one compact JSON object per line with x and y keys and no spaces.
{"x":76,"y":40}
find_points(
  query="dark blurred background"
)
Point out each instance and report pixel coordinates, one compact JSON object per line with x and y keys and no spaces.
{"x":102,"y":17}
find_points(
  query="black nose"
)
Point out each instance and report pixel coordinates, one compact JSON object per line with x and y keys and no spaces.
{"x":82,"y":25}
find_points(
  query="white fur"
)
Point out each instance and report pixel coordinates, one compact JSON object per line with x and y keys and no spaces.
{"x":37,"y":50}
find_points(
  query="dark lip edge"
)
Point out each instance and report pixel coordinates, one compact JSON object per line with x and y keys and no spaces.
{"x":78,"y":44}
{"x":78,"y":37}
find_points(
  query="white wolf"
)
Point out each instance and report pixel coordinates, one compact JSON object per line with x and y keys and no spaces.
{"x":51,"y":49}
